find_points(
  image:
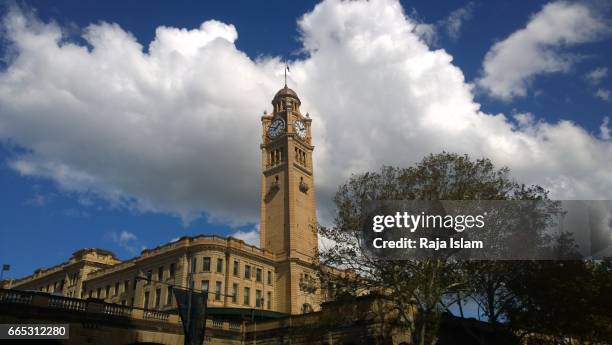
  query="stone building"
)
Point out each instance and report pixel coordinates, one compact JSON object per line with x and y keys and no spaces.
{"x":256,"y":295}
{"x":278,"y":277}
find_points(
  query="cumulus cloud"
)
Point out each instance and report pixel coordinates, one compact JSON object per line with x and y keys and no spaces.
{"x":425,"y":31}
{"x":450,"y":25}
{"x":250,"y":237}
{"x":177,"y":128}
{"x":456,"y":19}
{"x":595,"y":76}
{"x":603,"y":94}
{"x":604,"y":130}
{"x":125,"y":240}
{"x":539,"y":48}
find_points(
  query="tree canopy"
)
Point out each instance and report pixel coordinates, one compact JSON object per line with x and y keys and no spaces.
{"x":420,"y":291}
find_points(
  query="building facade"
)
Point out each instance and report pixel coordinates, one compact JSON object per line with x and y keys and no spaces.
{"x":279,"y":276}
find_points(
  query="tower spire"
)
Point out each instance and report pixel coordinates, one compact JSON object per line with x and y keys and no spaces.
{"x":286,"y":70}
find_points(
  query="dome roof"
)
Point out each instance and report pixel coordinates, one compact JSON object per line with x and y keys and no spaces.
{"x":286,"y":92}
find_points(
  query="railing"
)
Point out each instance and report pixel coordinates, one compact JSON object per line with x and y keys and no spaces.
{"x":67,"y":303}
{"x":155,"y":315}
{"x":217,"y":324}
{"x":45,"y":300}
{"x":117,"y":310}
{"x":41,"y":299}
{"x":9,"y":296}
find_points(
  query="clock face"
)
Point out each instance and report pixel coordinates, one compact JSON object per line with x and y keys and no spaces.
{"x":276,"y":128}
{"x":300,"y":129}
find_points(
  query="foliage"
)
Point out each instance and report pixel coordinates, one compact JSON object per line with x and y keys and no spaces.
{"x":569,"y":301}
{"x":551,"y":301}
{"x":420,"y":290}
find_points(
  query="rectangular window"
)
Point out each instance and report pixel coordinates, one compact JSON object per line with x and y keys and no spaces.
{"x":218,"y":291}
{"x":247,"y":272}
{"x":258,"y":299}
{"x":236,"y":268}
{"x":160,"y":273}
{"x":194,"y":263}
{"x":107,"y":291}
{"x":149,"y":276}
{"x":206,"y":264}
{"x":205,"y":287}
{"x":247,"y":297}
{"x":235,"y":293}
{"x":157,"y":297}
{"x":169,"y":295}
{"x":126,"y":285}
{"x":219,"y":265}
{"x":258,"y":274}
{"x":270,"y":277}
{"x":145,"y":303}
{"x":269,"y":301}
{"x":99,"y":293}
{"x":172,"y":268}
{"x":116,"y":288}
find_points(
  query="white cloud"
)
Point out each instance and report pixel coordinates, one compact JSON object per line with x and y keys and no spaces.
{"x":427,"y":32}
{"x":604,"y":94}
{"x":605,"y":132}
{"x":126,"y":240}
{"x":451,"y":25}
{"x":250,"y":237}
{"x":177,"y":129}
{"x":456,"y":19}
{"x":595,"y":76}
{"x":539,"y":48}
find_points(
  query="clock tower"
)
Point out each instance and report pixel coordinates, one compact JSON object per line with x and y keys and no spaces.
{"x":288,"y":223}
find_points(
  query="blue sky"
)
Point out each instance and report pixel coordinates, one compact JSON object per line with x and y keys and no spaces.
{"x":45,"y":217}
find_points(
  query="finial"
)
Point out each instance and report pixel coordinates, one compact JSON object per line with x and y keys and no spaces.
{"x":286,"y":70}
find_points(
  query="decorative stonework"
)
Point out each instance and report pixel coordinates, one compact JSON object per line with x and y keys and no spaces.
{"x":308,"y":284}
{"x":304,"y":187}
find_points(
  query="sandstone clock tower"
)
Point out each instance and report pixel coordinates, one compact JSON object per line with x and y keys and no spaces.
{"x":288,"y":211}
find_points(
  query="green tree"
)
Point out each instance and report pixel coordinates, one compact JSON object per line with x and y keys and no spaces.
{"x":420,"y":290}
{"x":563,"y":302}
